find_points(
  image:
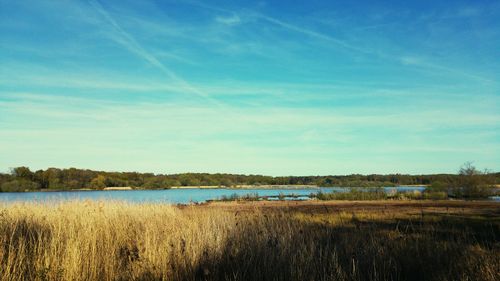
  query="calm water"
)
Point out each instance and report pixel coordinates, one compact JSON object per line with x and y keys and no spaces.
{"x":167,"y":196}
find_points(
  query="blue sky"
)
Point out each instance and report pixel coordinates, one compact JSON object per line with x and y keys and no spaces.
{"x":275,"y":88}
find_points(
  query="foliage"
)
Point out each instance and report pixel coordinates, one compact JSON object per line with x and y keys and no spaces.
{"x":472,"y":183}
{"x":98,"y":182}
{"x":19,"y":185}
{"x":22,"y":173}
{"x":435,"y":195}
{"x":380,"y":194}
{"x":72,"y":178}
{"x":354,"y":194}
{"x":244,"y":197}
{"x":438,"y":186}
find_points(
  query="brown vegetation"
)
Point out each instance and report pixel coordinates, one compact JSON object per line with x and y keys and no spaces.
{"x":424,"y":240}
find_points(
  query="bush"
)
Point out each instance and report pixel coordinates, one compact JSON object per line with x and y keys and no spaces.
{"x":411,"y":195}
{"x":437,"y":186}
{"x":354,"y":194}
{"x":435,"y":195}
{"x":479,"y":191}
{"x":473,"y":183}
{"x":19,"y":186}
{"x":98,"y":182}
{"x":236,"y":197}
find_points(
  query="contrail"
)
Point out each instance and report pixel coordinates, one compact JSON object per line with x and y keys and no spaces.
{"x":427,"y":65}
{"x":284,"y":25}
{"x":312,"y":33}
{"x":361,"y":50}
{"x":132,"y":45}
{"x":341,"y":43}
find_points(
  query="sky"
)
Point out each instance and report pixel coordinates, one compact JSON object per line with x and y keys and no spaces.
{"x":270,"y":87}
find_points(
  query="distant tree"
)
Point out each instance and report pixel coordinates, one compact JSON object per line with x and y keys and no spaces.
{"x":98,"y":182}
{"x":155,"y":183}
{"x":19,"y":185}
{"x":226,"y":182}
{"x":22,"y":173}
{"x":53,"y":178}
{"x":437,"y":186}
{"x":115,"y":181}
{"x":469,"y":181}
{"x":189,"y":180}
{"x":472,"y":183}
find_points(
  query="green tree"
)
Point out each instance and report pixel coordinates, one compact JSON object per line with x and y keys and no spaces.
{"x":98,"y":182}
{"x":22,"y":173}
{"x":19,"y":185}
{"x":437,"y":186}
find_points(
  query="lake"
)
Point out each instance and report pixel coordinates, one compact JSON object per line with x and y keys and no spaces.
{"x":174,"y":196}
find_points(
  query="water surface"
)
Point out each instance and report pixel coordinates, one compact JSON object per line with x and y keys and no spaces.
{"x":171,"y":195}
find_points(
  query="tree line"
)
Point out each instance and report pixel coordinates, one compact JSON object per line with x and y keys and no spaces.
{"x":23,"y":179}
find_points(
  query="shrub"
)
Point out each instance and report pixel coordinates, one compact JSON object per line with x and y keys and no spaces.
{"x":437,"y":186}
{"x":411,"y":195}
{"x":435,"y":195}
{"x":236,"y":197}
{"x":354,"y":194}
{"x":473,"y":183}
{"x":19,"y":186}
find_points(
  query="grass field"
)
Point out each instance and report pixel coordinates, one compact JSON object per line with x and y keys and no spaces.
{"x":369,"y":240}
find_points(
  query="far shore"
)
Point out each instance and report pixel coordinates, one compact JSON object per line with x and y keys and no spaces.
{"x":112,"y":188}
{"x":118,"y":188}
{"x":266,"y":186}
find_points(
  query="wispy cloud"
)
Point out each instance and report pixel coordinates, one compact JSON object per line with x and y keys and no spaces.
{"x":231,"y":20}
{"x":312,"y":33}
{"x":278,"y":136}
{"x":405,"y":60}
{"x":468,"y":12}
{"x":129,"y":42}
{"x":394,"y":57}
{"x":420,"y":62}
{"x":133,"y":85}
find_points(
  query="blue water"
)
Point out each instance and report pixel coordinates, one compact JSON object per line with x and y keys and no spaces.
{"x":169,"y":195}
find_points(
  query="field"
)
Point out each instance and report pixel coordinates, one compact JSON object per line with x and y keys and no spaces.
{"x":315,"y":240}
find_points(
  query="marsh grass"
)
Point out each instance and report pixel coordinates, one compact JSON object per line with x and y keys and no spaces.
{"x":120,"y":241}
{"x":354,"y":194}
{"x":237,"y":197}
{"x":379,"y":194}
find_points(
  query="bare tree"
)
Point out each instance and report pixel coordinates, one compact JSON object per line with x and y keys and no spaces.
{"x":472,"y":183}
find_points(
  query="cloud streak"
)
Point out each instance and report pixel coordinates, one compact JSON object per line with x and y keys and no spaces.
{"x":129,"y":42}
{"x":182,"y":137}
{"x":401,"y":59}
{"x":129,"y":85}
{"x":404,"y":60}
{"x":232,"y":20}
{"x":313,"y":34}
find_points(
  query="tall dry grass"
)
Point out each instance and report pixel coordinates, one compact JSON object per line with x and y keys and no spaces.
{"x":120,"y":241}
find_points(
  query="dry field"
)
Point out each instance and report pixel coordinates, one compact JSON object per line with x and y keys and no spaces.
{"x":383,"y":240}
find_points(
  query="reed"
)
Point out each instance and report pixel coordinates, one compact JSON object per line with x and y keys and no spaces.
{"x":119,"y":241}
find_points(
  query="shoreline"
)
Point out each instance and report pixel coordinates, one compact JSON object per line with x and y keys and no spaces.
{"x":298,"y":186}
{"x":127,"y":188}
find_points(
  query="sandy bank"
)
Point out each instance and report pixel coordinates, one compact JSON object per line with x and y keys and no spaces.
{"x":118,"y":188}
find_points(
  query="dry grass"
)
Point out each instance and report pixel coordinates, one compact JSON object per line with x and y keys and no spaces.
{"x":119,"y":241}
